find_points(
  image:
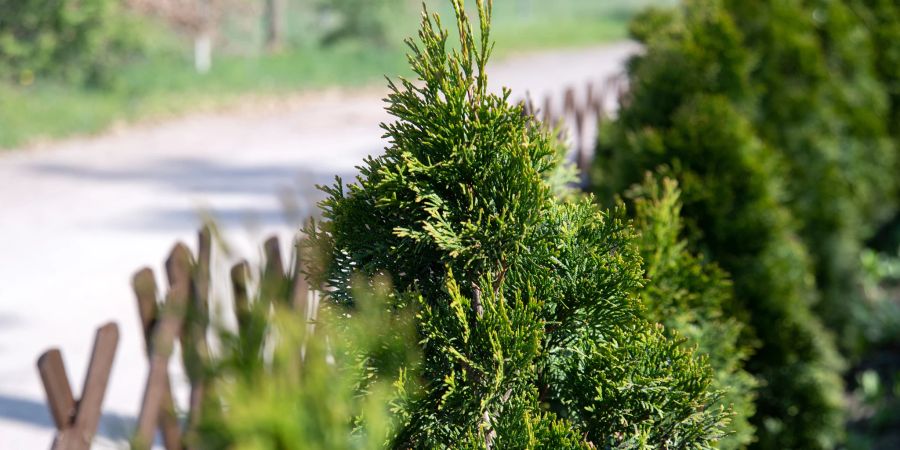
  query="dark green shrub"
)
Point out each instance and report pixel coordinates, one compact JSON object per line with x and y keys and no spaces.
{"x":531,"y":330}
{"x":83,"y":40}
{"x":367,"y":20}
{"x":694,"y":299}
{"x":882,"y":19}
{"x":684,"y":119}
{"x":819,"y":103}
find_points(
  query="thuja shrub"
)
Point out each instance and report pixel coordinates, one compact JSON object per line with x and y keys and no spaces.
{"x":531,"y":331}
{"x":683,"y":119}
{"x":819,"y":102}
{"x":694,"y":299}
{"x":882,"y":19}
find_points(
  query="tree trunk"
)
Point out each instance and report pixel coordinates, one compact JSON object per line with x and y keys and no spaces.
{"x":203,"y":39}
{"x":203,"y":52}
{"x":274,"y":24}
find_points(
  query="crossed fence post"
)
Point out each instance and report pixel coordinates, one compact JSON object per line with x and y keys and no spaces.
{"x":578,"y":117}
{"x":76,"y":421}
{"x":182,"y":317}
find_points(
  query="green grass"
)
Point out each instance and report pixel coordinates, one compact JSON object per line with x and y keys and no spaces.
{"x":166,"y":85}
{"x":567,"y":33}
{"x":541,"y":24}
{"x":47,"y":110}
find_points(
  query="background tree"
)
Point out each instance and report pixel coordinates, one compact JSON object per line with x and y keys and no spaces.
{"x":274,"y":24}
{"x":199,"y":18}
{"x":818,"y":102}
{"x":684,"y":117}
{"x":77,"y":41}
{"x":368,"y":20}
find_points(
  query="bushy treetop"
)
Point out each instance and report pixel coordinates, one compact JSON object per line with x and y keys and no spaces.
{"x":532,"y":331}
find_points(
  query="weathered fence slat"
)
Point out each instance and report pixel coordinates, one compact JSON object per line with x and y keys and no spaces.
{"x":56,"y":385}
{"x":274,"y":283}
{"x":87,"y":413}
{"x":274,"y":264}
{"x":157,"y":380}
{"x":239,"y":288}
{"x":143,"y":283}
{"x":547,"y":113}
{"x":167,"y":330}
{"x":568,"y":100}
{"x":144,"y":286}
{"x":194,"y":345}
{"x":202,"y":272}
{"x":77,"y":421}
{"x":300,"y":288}
{"x":178,"y":271}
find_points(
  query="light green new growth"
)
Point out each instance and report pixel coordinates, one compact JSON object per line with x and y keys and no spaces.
{"x":695,"y":299}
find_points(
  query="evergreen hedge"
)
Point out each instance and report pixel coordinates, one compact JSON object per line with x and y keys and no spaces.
{"x":531,"y":328}
{"x":882,"y":19}
{"x":686,"y":117}
{"x":817,"y":100}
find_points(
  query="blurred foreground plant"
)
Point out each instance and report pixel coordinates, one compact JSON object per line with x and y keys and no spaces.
{"x":331,"y":383}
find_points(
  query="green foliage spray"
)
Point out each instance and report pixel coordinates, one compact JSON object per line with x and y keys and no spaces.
{"x":531,"y":331}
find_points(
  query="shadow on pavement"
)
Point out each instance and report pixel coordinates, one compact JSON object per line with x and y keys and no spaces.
{"x":266,"y":194}
{"x":30,"y":412}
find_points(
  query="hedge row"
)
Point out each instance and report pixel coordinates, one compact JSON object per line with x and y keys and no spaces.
{"x":776,"y":118}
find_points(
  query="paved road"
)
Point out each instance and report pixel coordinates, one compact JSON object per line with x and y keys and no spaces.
{"x":80,"y":216}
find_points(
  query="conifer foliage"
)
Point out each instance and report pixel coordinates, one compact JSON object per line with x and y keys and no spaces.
{"x":531,"y":328}
{"x":818,"y":102}
{"x":685,"y":118}
{"x":882,"y":19}
{"x":695,"y":299}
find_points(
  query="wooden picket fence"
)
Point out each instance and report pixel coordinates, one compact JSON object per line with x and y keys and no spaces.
{"x":76,"y":421}
{"x":577,"y":117}
{"x":181,"y":317}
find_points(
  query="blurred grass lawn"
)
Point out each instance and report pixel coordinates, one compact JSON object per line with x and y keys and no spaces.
{"x":167,"y":85}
